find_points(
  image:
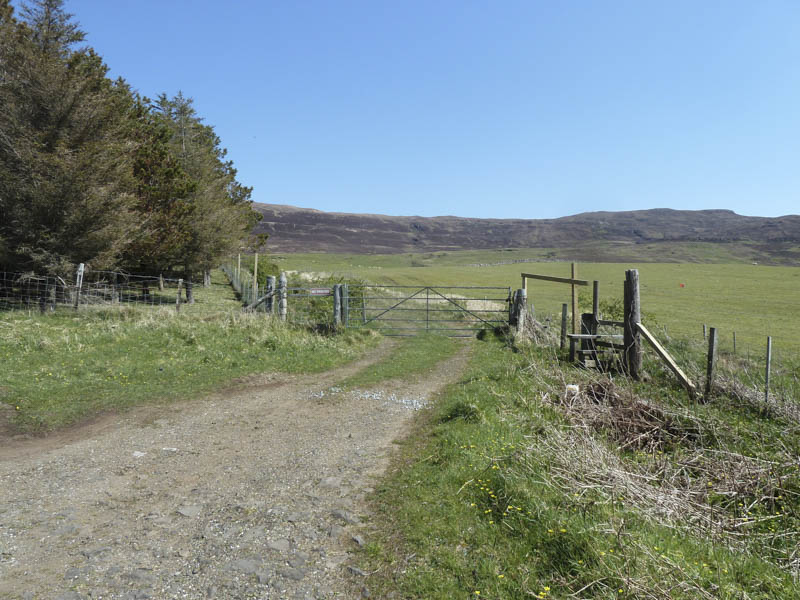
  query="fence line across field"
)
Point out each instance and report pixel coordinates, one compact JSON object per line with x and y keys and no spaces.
{"x":92,"y":288}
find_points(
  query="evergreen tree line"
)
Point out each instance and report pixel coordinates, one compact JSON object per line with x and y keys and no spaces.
{"x":92,"y":172}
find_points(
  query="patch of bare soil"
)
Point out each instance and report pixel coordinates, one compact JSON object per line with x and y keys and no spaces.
{"x":253,"y":492}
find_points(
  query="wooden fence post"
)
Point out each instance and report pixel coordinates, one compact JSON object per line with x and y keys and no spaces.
{"x":596,"y":300}
{"x":189,"y":290}
{"x":345,"y":304}
{"x":705,"y":333}
{"x":712,"y":359}
{"x":178,"y":298}
{"x":734,"y":342}
{"x":364,"y":305}
{"x":255,"y":277}
{"x":574,"y":300}
{"x":270,"y":306}
{"x":282,"y":308}
{"x":632,"y":353}
{"x":115,"y":290}
{"x":337,"y":305}
{"x":564,"y":309}
{"x":766,"y":375}
{"x":78,"y":284}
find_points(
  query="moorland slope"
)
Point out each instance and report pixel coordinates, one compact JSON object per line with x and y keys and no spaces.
{"x":293,"y":229}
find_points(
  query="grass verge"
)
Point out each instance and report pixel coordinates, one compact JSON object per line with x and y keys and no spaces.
{"x":64,"y":367}
{"x":512,"y":487}
{"x":412,"y":356}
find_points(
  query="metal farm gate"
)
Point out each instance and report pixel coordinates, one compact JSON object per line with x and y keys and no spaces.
{"x":396,"y":310}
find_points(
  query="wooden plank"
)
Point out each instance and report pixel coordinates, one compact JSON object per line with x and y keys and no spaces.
{"x":593,"y":336}
{"x":609,"y":345}
{"x":568,"y":280}
{"x":685,"y":381}
{"x":611,"y":323}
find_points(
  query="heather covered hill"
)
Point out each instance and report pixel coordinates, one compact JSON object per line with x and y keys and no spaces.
{"x":293,"y":229}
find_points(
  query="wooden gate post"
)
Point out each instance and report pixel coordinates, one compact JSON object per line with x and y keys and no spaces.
{"x":337,"y":305}
{"x":518,"y":311}
{"x":712,"y":359}
{"x":282,"y":297}
{"x":632,"y":353}
{"x":270,"y":307}
{"x":564,"y":309}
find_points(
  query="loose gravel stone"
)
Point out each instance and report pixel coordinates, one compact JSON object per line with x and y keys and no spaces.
{"x":245,"y":494}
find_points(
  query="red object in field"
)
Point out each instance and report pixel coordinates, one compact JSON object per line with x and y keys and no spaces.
{"x":682,"y":285}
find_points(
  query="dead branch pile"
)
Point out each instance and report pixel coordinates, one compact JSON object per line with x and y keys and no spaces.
{"x":631,"y":422}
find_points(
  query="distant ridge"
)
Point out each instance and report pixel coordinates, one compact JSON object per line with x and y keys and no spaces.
{"x":294,"y":229}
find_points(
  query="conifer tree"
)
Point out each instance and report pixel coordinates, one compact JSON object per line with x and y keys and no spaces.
{"x":63,"y":161}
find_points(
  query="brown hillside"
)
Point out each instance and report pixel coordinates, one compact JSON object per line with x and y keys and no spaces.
{"x":293,"y":229}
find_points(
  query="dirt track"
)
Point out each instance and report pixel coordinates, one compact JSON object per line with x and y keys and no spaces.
{"x":252,"y":493}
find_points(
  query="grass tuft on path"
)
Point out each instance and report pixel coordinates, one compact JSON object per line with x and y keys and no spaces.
{"x":411,"y":357}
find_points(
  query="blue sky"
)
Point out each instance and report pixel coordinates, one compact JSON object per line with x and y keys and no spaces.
{"x":488,"y":109}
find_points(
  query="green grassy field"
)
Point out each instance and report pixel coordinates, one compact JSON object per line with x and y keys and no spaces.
{"x":753,"y":300}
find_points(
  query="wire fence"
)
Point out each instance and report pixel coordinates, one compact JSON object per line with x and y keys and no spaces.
{"x":307,"y":303}
{"x":46,"y":293}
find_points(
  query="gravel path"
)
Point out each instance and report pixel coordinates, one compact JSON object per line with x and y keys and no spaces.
{"x":252,"y":493}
